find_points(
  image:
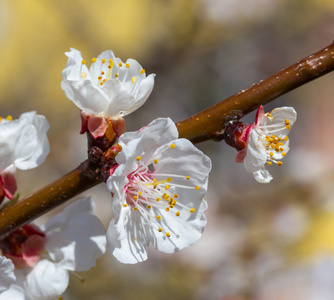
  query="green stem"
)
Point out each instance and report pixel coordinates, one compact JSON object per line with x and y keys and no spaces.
{"x":206,"y":125}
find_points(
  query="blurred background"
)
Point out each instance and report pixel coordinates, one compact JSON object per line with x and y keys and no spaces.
{"x":262,"y":242}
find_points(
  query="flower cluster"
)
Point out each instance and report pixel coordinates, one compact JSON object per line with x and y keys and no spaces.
{"x":43,"y":258}
{"x":24,"y":145}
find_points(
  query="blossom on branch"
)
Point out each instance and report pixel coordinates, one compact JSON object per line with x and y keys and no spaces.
{"x":266,"y":141}
{"x":69,"y":242}
{"x":109,"y":89}
{"x":23,"y":145}
{"x":158,"y":189}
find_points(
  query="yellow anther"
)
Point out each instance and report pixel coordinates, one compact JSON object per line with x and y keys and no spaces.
{"x":104,"y":80}
{"x":287,"y":122}
{"x":110,"y":67}
{"x":83,"y":62}
{"x":177,"y":213}
{"x":154,"y":180}
{"x":149,"y":206}
{"x":101,"y":83}
{"x":168,"y":234}
{"x":94,"y":60}
{"x":158,"y":199}
{"x":120,"y":64}
{"x":158,"y":217}
{"x":169,"y":179}
{"x":271,"y":154}
{"x":135,"y":198}
{"x":281,"y":149}
{"x":127,"y":65}
{"x":140,"y":193}
{"x":175,"y":195}
{"x":167,"y":187}
{"x":269,"y":163}
{"x":174,"y":202}
{"x":134,"y":208}
{"x":283,"y":153}
{"x":133,"y":79}
{"x":286,"y":138}
{"x":102,"y":73}
{"x":0,"y":119}
{"x":167,"y":209}
{"x":138,"y":158}
{"x":103,"y":61}
{"x":83,"y":75}
{"x":160,"y":229}
{"x":288,"y":127}
{"x":196,"y":187}
{"x":111,"y":62}
{"x":155,"y":161}
{"x":116,"y":75}
{"x":279,"y":163}
{"x":187,"y":177}
{"x":99,"y":78}
{"x":142,"y":71}
{"x":125,"y":205}
{"x":192,"y":210}
{"x":172,"y":146}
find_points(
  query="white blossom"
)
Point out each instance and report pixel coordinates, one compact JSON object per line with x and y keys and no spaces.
{"x":158,"y":189}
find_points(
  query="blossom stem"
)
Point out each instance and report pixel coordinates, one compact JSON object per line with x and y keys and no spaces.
{"x":206,"y":125}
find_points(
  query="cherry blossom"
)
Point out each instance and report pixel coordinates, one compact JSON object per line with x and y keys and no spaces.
{"x":72,"y":241}
{"x":23,"y":145}
{"x":158,"y":189}
{"x":267,"y":141}
{"x":109,"y":89}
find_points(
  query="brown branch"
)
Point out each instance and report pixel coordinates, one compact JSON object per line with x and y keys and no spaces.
{"x":209,"y":124}
{"x":206,"y":125}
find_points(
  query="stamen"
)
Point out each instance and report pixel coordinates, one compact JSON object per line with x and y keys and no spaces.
{"x":120,"y":64}
{"x":142,"y":71}
{"x":133,"y":79}
{"x":103,"y":61}
{"x":192,"y":210}
{"x":127,"y":65}
{"x":172,"y":146}
{"x":155,"y":161}
{"x":279,"y":163}
{"x":94,"y":60}
{"x":138,"y":158}
{"x":83,"y":61}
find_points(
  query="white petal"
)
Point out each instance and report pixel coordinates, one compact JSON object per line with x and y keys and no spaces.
{"x":275,"y":125}
{"x":46,"y":281}
{"x":256,"y":155}
{"x":79,"y":242}
{"x":7,"y":276}
{"x":15,"y":292}
{"x":262,"y":176}
{"x":128,"y":239}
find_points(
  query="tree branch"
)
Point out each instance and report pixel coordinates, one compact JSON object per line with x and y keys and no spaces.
{"x":206,"y":125}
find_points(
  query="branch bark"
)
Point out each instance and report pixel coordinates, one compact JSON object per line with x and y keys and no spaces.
{"x":206,"y":125}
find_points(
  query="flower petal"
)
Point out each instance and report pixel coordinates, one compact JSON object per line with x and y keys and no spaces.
{"x":262,"y":176}
{"x":7,"y":276}
{"x":256,"y":155}
{"x":46,"y":281}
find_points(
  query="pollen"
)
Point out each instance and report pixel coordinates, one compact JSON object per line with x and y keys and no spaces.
{"x":287,"y":122}
{"x":175,"y":195}
{"x":138,"y":158}
{"x":160,"y":229}
{"x":116,"y":75}
{"x":101,"y":83}
{"x":196,"y":187}
{"x":279,"y":163}
{"x":158,"y":217}
{"x":269,"y":163}
{"x":158,"y":199}
{"x":9,"y":118}
{"x":102,"y":73}
{"x":142,"y":71}
{"x":167,"y":187}
{"x":283,"y":153}
{"x":155,"y":161}
{"x":103,"y":61}
{"x":271,"y":154}
{"x":111,"y":62}
{"x":127,"y":65}
{"x":168,"y":234}
{"x":83,"y":62}
{"x":134,"y":208}
{"x":286,"y":138}
{"x":133,"y":79}
{"x":125,"y":205}
{"x":192,"y":210}
{"x":172,"y":146}
{"x":120,"y":64}
{"x":99,"y":78}
{"x":135,"y":198}
{"x":167,"y":209}
{"x":177,"y":213}
{"x":288,"y":127}
{"x":188,"y":177}
{"x":94,"y":60}
{"x":149,"y":206}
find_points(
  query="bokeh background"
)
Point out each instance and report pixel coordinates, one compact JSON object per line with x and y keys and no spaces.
{"x":262,"y":242}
